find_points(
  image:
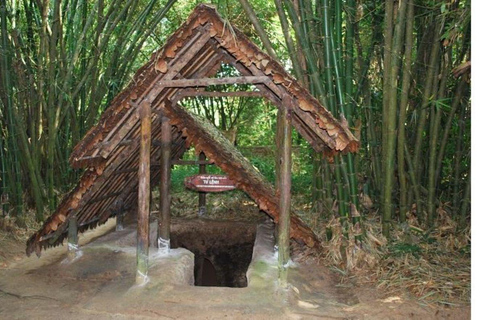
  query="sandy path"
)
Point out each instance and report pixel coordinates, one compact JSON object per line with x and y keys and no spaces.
{"x":99,"y":286}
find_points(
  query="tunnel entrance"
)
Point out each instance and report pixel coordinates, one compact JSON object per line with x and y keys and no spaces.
{"x":223,"y":250}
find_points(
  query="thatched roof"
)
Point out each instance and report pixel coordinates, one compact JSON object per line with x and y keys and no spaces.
{"x":109,"y":151}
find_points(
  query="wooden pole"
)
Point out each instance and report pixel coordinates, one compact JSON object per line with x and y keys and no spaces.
{"x":202,"y":196}
{"x":284,"y":158}
{"x":72,"y":238}
{"x":143,"y":193}
{"x":165,"y":174}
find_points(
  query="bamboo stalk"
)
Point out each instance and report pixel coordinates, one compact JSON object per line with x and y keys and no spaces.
{"x":459,"y":148}
{"x":402,"y":115}
{"x":466,"y":200}
{"x":317,"y":198}
{"x":387,"y":165}
{"x":288,"y":40}
{"x":414,"y":182}
{"x":258,"y":27}
{"x":12,"y":137}
{"x":427,"y":92}
{"x":138,"y":42}
{"x":328,"y":58}
{"x":308,"y":52}
{"x":459,"y":94}
{"x":330,"y":63}
{"x":435,"y":120}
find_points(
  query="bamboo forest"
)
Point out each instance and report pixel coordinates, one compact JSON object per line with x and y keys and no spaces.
{"x":345,"y":123}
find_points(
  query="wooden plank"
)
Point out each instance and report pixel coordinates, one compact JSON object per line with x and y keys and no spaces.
{"x":284,"y":159}
{"x":143,"y":193}
{"x":163,"y":236}
{"x":204,"y":82}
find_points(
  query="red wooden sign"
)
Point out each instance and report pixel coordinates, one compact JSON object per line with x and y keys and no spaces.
{"x":209,"y":183}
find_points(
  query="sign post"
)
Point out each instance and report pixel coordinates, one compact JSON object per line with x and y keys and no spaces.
{"x":202,"y":196}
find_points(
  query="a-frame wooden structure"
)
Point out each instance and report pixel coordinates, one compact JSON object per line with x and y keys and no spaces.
{"x":146,"y":115}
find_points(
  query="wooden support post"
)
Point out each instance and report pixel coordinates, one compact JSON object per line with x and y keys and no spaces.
{"x":165,"y":173}
{"x":202,"y":196}
{"x":284,"y":158}
{"x":143,"y":193}
{"x":72,"y":238}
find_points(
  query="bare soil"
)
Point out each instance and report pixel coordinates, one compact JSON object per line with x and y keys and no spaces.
{"x":100,"y":285}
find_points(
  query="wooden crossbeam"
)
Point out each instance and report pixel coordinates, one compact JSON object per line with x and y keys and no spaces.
{"x":204,"y":82}
{"x":192,"y":93}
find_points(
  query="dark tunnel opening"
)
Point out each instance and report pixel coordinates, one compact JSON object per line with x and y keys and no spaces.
{"x":223,"y":251}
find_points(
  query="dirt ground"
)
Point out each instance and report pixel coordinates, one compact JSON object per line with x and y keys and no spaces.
{"x":100,"y":285}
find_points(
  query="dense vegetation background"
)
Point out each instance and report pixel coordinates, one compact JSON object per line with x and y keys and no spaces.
{"x":397,"y":71}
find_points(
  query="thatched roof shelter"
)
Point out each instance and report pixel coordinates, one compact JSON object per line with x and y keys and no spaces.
{"x":183,"y":67}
